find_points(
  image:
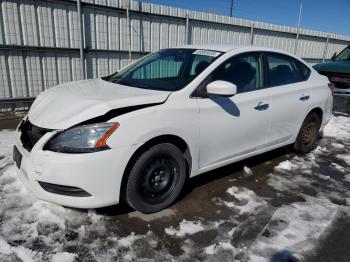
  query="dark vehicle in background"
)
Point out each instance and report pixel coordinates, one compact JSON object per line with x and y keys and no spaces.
{"x":338,"y":71}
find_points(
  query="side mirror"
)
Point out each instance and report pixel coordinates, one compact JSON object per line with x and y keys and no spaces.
{"x":334,"y":56}
{"x":221,"y":88}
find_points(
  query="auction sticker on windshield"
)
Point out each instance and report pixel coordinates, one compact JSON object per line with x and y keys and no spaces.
{"x":207,"y":53}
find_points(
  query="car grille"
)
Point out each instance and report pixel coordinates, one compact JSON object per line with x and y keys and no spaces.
{"x":31,"y":134}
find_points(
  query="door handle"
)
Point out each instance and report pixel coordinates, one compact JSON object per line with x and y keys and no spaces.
{"x":304,"y":98}
{"x":261,"y":106}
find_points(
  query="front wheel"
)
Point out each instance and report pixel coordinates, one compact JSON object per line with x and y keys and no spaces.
{"x":156,"y":179}
{"x":308,"y":134}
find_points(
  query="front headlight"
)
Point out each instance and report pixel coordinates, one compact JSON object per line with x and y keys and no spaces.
{"x":82,"y":139}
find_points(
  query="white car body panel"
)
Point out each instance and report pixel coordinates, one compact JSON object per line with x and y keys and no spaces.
{"x":214,"y":137}
{"x":72,"y":103}
{"x":222,"y":121}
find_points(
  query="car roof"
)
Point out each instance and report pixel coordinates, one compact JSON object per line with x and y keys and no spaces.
{"x":214,"y":47}
{"x":229,"y":47}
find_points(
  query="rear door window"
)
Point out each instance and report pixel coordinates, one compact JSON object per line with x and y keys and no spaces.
{"x":284,"y":70}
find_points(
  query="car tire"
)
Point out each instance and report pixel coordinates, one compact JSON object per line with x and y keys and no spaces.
{"x":308,"y":134}
{"x":156,"y":179}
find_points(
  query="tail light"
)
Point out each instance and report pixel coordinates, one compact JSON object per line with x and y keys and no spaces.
{"x":331,"y":86}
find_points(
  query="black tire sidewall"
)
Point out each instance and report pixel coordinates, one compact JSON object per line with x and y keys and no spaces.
{"x":133,"y":196}
{"x":298,"y":146}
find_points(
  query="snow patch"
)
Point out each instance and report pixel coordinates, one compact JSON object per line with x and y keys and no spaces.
{"x":296,"y":227}
{"x":247,"y":171}
{"x":344,"y":157}
{"x":211,"y":250}
{"x":5,"y":248}
{"x":64,"y":257}
{"x":185,"y":228}
{"x":247,"y":202}
{"x":129,"y":240}
{"x":338,"y":145}
{"x":347,"y":178}
{"x":338,"y":167}
{"x":338,"y":127}
{"x":286,"y":165}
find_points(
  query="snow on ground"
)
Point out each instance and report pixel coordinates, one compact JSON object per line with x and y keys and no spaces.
{"x":247,"y":171}
{"x":285,"y":165}
{"x":295,"y":227}
{"x":338,"y":127}
{"x":6,"y":144}
{"x":64,"y":257}
{"x":212,"y":249}
{"x":247,"y":200}
{"x":254,"y":226}
{"x":185,"y":228}
{"x":345,"y":157}
{"x":347,"y":178}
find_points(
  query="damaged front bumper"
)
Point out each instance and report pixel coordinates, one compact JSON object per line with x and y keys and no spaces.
{"x":88,"y":180}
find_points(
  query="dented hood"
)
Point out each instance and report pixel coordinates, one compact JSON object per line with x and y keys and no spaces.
{"x":69,"y":104}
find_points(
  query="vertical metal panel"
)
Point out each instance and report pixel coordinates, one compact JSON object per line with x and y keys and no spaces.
{"x":64,"y":68}
{"x":77,"y":73}
{"x":145,"y":34}
{"x":123,"y":35}
{"x":45,"y":23}
{"x":278,"y":40}
{"x":60,"y":15}
{"x":164,"y":34}
{"x":74,"y":32}
{"x":17,"y":73}
{"x":113,"y":31}
{"x":101,"y":30}
{"x":310,"y":47}
{"x":135,"y":34}
{"x":5,"y":91}
{"x":50,"y":71}
{"x":11,"y":19}
{"x":34,"y":73}
{"x":29,"y":26}
{"x":155,"y":34}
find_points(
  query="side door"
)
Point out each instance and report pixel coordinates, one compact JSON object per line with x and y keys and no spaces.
{"x":231,"y":127}
{"x":290,"y":96}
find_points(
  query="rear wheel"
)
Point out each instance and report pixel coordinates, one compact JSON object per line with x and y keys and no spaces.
{"x":308,"y":134}
{"x":156,"y":179}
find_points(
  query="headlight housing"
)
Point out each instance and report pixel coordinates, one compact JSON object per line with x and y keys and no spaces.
{"x":82,"y":139}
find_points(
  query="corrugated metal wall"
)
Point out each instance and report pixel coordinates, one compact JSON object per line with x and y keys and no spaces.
{"x":40,"y":40}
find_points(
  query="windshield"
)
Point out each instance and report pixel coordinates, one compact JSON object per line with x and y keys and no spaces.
{"x":167,"y":70}
{"x":344,"y":55}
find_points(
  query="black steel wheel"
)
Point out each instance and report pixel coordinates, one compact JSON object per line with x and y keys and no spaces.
{"x":156,"y":179}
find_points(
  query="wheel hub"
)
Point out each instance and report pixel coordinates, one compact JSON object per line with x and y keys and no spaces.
{"x":309,"y":132}
{"x":157,"y":178}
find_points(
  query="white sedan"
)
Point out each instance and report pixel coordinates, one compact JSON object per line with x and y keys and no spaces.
{"x":138,"y":134}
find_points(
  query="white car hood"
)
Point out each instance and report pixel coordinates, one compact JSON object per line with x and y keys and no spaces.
{"x":71,"y":103}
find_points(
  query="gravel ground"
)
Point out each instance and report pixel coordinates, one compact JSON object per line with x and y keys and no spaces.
{"x":274,"y":207}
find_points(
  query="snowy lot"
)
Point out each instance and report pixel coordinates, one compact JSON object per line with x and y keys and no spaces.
{"x":268,"y":208}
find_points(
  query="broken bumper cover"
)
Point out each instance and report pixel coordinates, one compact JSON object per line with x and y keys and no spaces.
{"x":89,"y":180}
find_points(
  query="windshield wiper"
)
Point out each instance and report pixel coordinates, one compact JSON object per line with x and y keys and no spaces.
{"x":135,"y":85}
